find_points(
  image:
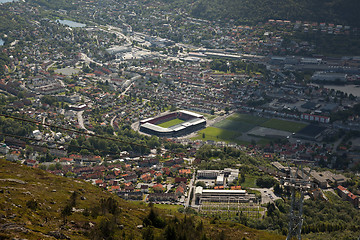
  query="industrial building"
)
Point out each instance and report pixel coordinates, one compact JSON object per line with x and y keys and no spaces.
{"x":329,"y":77}
{"x":221,"y":177}
{"x":211,"y":195}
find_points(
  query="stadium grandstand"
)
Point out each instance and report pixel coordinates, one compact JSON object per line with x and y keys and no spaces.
{"x":191,"y":122}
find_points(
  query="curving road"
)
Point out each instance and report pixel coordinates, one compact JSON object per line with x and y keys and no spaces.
{"x":112,"y":124}
{"x":81,"y":122}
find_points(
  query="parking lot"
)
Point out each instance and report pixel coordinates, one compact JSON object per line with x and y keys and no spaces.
{"x":267,"y":195}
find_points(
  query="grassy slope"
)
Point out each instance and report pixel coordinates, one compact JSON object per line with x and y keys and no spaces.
{"x":52,"y":192}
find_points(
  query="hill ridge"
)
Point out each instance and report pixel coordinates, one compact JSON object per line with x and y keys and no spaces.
{"x":254,"y":11}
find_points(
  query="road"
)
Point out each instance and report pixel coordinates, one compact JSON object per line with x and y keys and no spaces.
{"x":62,"y":83}
{"x":127,"y":89}
{"x":112,"y":124}
{"x":88,"y":60}
{"x":117,"y":31}
{"x":168,"y":187}
{"x":52,"y":64}
{"x":190,"y":188}
{"x":121,"y":109}
{"x":81,"y":121}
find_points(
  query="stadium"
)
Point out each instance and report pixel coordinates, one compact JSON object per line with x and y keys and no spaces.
{"x":174,"y":124}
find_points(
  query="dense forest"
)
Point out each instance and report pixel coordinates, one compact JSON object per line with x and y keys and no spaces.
{"x":253,"y":11}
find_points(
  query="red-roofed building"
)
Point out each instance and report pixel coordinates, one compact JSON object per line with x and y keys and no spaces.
{"x":348,"y":196}
{"x":128,"y":184}
{"x":158,"y":188}
{"x":64,"y":159}
{"x":185,"y":171}
{"x":180,"y":179}
{"x":115,"y":188}
{"x":146,"y":177}
{"x":99,"y":181}
{"x":180,"y":190}
{"x":166,"y":171}
{"x":30,"y":162}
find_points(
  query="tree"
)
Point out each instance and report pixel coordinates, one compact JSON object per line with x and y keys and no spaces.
{"x":84,"y":152}
{"x":58,"y":166}
{"x":153,"y":219}
{"x":148,"y":233}
{"x":73,"y":199}
{"x":32,"y":204}
{"x":201,"y":184}
{"x":265,"y":182}
{"x":67,"y":211}
{"x":242,"y":179}
{"x":52,"y":167}
{"x":277,"y":189}
{"x":159,"y":179}
{"x":105,"y":229}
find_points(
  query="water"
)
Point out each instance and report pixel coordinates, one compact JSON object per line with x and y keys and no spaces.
{"x":70,"y":23}
{"x":1,"y":42}
{"x":5,"y":1}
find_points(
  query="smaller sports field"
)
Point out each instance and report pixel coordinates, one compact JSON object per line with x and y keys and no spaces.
{"x":217,"y":134}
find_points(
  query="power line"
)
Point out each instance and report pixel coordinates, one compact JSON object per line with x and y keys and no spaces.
{"x":74,"y":131}
{"x":57,"y":143}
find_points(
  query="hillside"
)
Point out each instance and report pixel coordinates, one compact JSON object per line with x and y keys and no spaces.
{"x":33,"y":205}
{"x":37,"y":205}
{"x":253,"y":11}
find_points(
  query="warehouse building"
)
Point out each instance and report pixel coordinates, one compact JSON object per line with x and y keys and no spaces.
{"x":211,"y":195}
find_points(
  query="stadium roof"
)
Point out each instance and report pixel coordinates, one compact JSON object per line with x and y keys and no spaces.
{"x":186,"y":124}
{"x":177,"y":127}
{"x":156,"y":128}
{"x":146,"y":120}
{"x":191,"y":114}
{"x":195,"y":121}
